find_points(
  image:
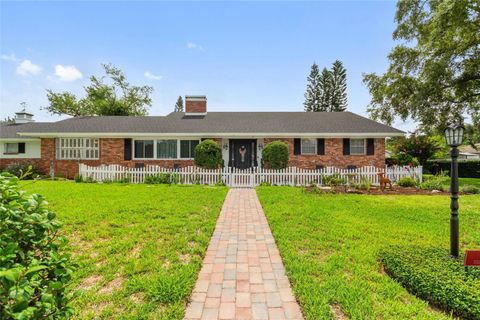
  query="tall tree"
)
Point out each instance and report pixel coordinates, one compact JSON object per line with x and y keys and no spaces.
{"x":338,"y":87}
{"x":434,"y":75}
{"x":326,"y":90}
{"x":116,"y":98}
{"x":179,"y":105}
{"x":313,"y":94}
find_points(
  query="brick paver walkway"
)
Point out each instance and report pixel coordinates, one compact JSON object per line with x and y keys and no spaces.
{"x":242,"y":275}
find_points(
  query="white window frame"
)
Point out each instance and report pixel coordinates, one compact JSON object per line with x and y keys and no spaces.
{"x":76,"y":148}
{"x":314,"y":146}
{"x":6,"y":148}
{"x":364,"y":147}
{"x":155,"y":148}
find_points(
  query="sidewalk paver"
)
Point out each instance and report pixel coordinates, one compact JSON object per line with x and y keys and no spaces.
{"x":242,"y":276}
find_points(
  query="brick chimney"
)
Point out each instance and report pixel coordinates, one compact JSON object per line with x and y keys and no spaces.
{"x":195,"y":105}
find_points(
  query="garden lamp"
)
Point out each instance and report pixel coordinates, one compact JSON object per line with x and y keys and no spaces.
{"x":454,"y":138}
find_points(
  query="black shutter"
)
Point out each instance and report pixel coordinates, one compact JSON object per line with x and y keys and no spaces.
{"x":297,"y":146}
{"x":321,"y":146}
{"x":370,"y":147}
{"x":21,"y":147}
{"x":127,"y":149}
{"x":346,"y":147}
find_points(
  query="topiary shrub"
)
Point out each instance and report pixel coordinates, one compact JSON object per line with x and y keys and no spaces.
{"x":432,"y":275}
{"x":407,"y":182}
{"x":275,"y":155}
{"x":208,"y":154}
{"x":34,"y":272}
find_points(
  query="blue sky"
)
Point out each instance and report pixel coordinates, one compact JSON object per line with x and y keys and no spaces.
{"x":244,"y":56}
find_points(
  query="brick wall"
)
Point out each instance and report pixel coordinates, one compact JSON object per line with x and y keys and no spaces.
{"x":334,"y":155}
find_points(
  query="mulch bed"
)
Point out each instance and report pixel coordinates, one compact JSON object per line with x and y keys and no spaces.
{"x":375,"y":191}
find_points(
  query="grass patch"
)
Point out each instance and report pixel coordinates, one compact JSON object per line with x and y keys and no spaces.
{"x":432,"y":275}
{"x":139,"y":247}
{"x":330,"y":245}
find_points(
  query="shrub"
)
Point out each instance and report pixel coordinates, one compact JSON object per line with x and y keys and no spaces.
{"x":161,"y":178}
{"x":275,"y":155}
{"x":34,"y":272}
{"x":333,"y":180}
{"x":21,"y":168}
{"x":208,"y":154}
{"x":364,"y":184}
{"x":466,"y":168}
{"x":407,"y":182}
{"x":436,"y":182}
{"x":470,"y":189}
{"x":431,"y":274}
{"x":78,"y":178}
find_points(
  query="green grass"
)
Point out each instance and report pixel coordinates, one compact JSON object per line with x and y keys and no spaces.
{"x":139,"y":247}
{"x":330,"y":245}
{"x":461,"y":181}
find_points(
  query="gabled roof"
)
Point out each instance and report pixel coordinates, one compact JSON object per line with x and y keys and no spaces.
{"x":218,"y":124}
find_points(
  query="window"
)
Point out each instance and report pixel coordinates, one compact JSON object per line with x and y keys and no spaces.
{"x":77,"y":148}
{"x":11,"y":147}
{"x":187,"y":148}
{"x":309,"y":146}
{"x":143,"y":149}
{"x":167,"y":149}
{"x":357,"y":146}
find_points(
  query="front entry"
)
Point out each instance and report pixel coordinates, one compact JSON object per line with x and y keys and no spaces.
{"x":242,"y":153}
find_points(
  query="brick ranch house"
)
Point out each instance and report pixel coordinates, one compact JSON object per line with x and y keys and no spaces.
{"x":314,"y":139}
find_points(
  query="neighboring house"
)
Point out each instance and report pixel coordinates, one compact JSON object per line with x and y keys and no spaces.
{"x":469,"y":152}
{"x":314,"y":139}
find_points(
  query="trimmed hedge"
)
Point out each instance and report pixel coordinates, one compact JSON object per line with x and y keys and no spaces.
{"x":432,"y":275}
{"x":466,"y":169}
{"x":208,"y":154}
{"x":275,"y":155}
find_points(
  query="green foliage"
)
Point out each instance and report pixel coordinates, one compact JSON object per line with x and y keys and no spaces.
{"x":34,"y":272}
{"x":364,"y":184}
{"x":435,"y":182}
{"x":419,"y":147}
{"x":208,"y":154}
{"x":161,"y":178}
{"x":433,"y":73}
{"x":472,"y":136}
{"x":326,"y":91}
{"x":275,"y":155}
{"x":178,"y":105}
{"x":407,"y":182}
{"x":25,"y":169}
{"x":333,"y":180}
{"x":470,"y":189}
{"x":78,"y":178}
{"x":117,"y":98}
{"x":466,"y":169}
{"x":431,"y":274}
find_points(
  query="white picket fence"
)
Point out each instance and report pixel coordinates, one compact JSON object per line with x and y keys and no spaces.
{"x":233,"y":177}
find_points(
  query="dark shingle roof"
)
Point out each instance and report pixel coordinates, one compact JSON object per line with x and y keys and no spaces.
{"x":10,"y":130}
{"x":222,"y":122}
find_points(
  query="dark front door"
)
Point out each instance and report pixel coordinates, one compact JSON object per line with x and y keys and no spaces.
{"x":243,"y":153}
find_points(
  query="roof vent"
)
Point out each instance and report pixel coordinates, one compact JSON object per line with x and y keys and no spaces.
{"x":23,"y":117}
{"x":195,"y":105}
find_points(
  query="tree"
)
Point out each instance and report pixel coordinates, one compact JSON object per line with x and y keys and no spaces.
{"x":314,"y":92}
{"x":338,"y":87}
{"x":420,"y":147}
{"x":434,"y":75}
{"x":326,"y":89}
{"x":179,"y":105}
{"x":117,"y":98}
{"x":472,"y":136}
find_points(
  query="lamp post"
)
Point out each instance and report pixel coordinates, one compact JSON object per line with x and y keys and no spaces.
{"x":454,"y":137}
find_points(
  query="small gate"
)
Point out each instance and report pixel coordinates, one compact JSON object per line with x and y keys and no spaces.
{"x":242,"y":178}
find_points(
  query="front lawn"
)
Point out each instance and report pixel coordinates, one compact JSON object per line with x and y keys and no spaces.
{"x":139,"y":247}
{"x":330,"y":245}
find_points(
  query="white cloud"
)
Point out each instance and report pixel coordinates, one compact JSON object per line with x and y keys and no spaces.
{"x":26,"y":67}
{"x":9,"y":57}
{"x":191,"y":45}
{"x":151,"y":76}
{"x":67,"y":73}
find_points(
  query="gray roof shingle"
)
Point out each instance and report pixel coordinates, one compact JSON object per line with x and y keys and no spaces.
{"x":219,"y":123}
